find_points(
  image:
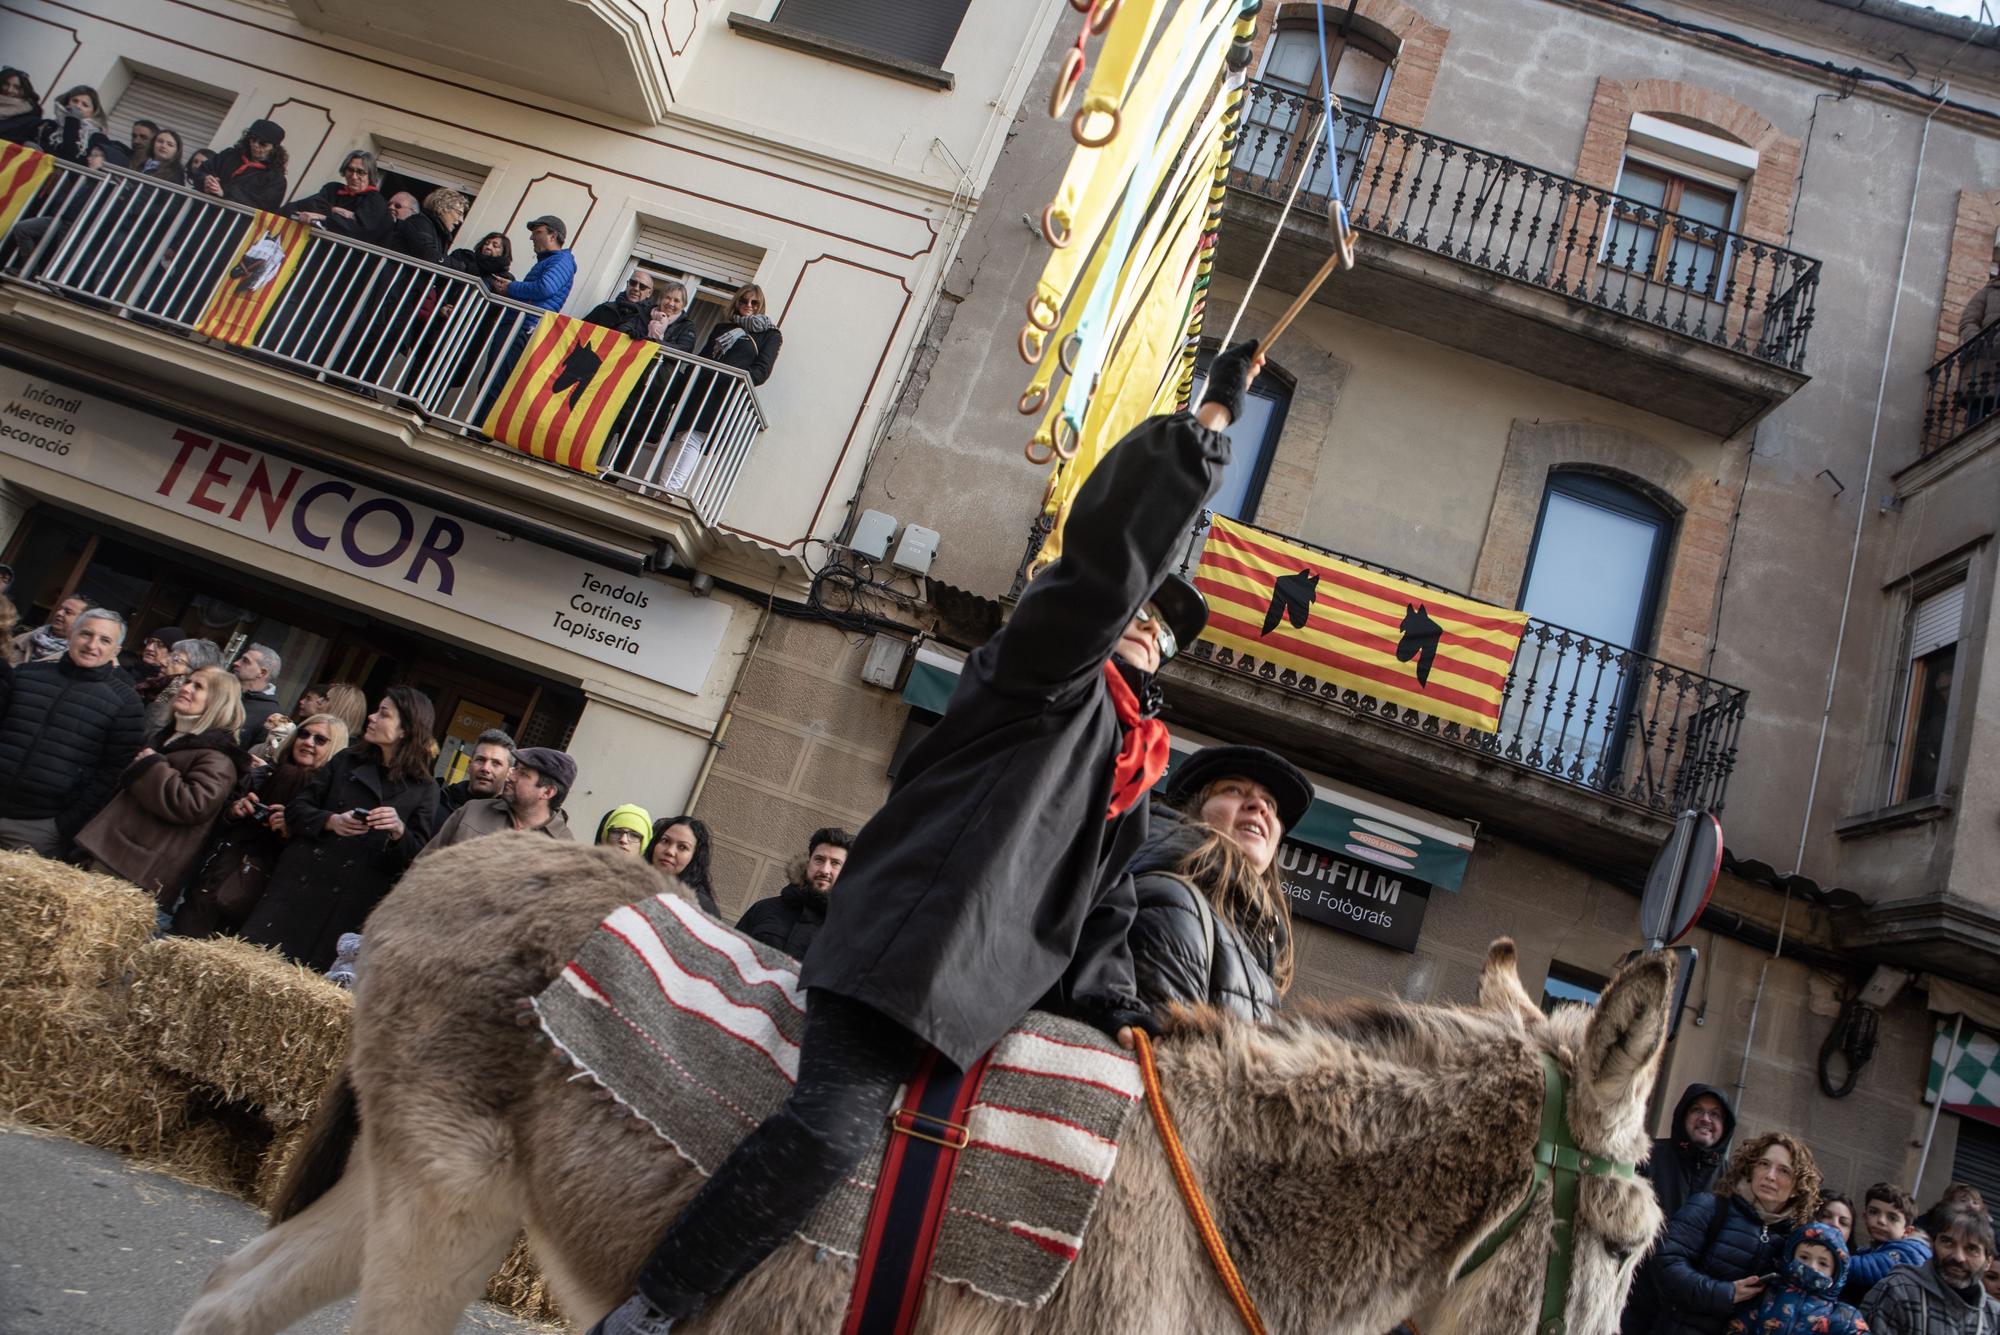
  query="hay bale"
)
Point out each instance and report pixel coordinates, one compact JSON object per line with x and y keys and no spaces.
{"x":66,"y":928}
{"x":241,"y":1019}
{"x":518,"y":1286}
{"x":69,"y":1065}
{"x":271,"y":1169}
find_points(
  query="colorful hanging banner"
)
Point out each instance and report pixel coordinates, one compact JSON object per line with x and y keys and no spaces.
{"x":566,"y":389}
{"x":1418,"y":647}
{"x":22,"y":172}
{"x":256,"y":276}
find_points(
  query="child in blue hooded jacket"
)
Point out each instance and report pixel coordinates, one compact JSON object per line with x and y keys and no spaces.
{"x":1805,"y":1300}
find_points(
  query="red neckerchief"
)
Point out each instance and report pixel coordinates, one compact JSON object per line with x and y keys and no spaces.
{"x":247,"y":164}
{"x":350,"y":191}
{"x":1142,"y":753}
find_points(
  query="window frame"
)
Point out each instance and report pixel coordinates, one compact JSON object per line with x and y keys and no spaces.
{"x":1903,"y":699}
{"x":1275,"y":384}
{"x":1679,"y":175}
{"x":1627,"y":498}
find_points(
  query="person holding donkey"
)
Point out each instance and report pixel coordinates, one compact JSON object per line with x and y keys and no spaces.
{"x":993,"y":880}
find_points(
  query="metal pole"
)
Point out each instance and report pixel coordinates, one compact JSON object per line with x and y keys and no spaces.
{"x":1944,"y":1075}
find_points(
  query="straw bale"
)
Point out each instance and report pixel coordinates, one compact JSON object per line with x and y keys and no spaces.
{"x":66,"y":928}
{"x":213,"y":1149}
{"x":519,"y":1286}
{"x":284,"y":1146}
{"x":242,"y":1019}
{"x":69,"y":1066}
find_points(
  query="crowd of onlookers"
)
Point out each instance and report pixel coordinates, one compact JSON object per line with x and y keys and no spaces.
{"x":253,"y":172}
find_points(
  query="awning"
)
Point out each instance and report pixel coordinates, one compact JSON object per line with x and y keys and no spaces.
{"x":1344,"y":819}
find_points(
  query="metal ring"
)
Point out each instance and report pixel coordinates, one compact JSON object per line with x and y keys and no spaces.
{"x":1075,"y":440}
{"x":1059,"y":237}
{"x":1077,"y":122}
{"x":1066,"y":352}
{"x":1344,"y":238}
{"x":1036,"y":303}
{"x":1101,"y":14}
{"x":1066,"y":83}
{"x":1038,"y":459}
{"x":1080,"y":6}
{"x":1032,"y":401}
{"x":1031,"y":343}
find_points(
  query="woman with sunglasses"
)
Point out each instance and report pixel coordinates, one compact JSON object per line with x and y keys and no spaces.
{"x":992,"y":880}
{"x":233,"y":876}
{"x":747,"y":340}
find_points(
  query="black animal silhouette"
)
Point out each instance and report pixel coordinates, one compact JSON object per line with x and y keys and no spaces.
{"x":578,"y":370}
{"x":1420,"y":640}
{"x":1292,"y":600}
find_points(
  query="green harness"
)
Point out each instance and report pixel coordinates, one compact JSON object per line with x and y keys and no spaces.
{"x":1557,"y":1157}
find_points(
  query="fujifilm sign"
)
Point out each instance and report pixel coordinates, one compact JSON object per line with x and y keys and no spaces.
{"x":1373,"y":902}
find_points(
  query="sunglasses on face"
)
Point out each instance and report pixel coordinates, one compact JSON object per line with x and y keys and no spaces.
{"x":316,"y":738}
{"x":1163,"y":634}
{"x":639,"y":284}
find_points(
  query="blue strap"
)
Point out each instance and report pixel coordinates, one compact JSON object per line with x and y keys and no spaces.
{"x":1326,"y":112}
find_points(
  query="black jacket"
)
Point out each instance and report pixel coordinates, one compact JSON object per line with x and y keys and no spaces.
{"x":452,"y":796}
{"x":326,"y":884}
{"x":1183,"y":949}
{"x":990,"y":878}
{"x":467,"y":260}
{"x":21,"y":127}
{"x":1678,"y":1171}
{"x":787,"y":921}
{"x":1697,"y":1276}
{"x":68,"y":137}
{"x":421,"y":236}
{"x":755,"y":353}
{"x":679,"y":333}
{"x":66,"y":734}
{"x":627,"y":317}
{"x":245,"y":181}
{"x":371,"y":220}
{"x":256,"y":708}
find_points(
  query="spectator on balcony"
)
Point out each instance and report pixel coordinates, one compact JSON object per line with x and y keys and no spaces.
{"x":400,"y":307}
{"x":185,"y":658}
{"x":548,"y":280}
{"x":20,"y":106}
{"x":424,"y":231}
{"x":162,"y":158}
{"x":629,"y":313}
{"x":748,"y":341}
{"x":141,"y":146}
{"x":68,"y":728}
{"x":77,"y":124}
{"x":352,"y":206}
{"x":251,"y":172}
{"x":680,"y":848}
{"x":50,"y":641}
{"x":197,"y":164}
{"x":669,"y":325}
{"x":493,"y":257}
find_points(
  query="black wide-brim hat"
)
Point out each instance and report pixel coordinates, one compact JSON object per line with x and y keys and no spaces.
{"x":1293,"y":791}
{"x":1186,"y":611}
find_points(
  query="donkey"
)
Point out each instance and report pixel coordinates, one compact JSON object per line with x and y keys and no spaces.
{"x":1354,"y":1154}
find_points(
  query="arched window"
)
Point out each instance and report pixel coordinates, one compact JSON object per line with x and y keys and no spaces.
{"x":1284,"y":109}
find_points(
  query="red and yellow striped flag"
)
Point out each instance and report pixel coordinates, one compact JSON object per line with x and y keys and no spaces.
{"x":566,"y":389}
{"x":262,"y":264}
{"x":1400,"y":642}
{"x":22,"y":171}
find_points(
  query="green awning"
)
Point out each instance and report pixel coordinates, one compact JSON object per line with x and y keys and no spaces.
{"x":933,"y":677}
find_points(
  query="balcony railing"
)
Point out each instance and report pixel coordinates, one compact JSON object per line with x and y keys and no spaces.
{"x":1576,"y":709}
{"x":1552,"y":232}
{"x":1964,"y":389}
{"x":369,"y":321}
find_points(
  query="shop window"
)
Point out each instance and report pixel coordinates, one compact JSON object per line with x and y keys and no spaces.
{"x":1929,"y":675}
{"x":1279,"y":120}
{"x":193,"y":111}
{"x":1568,"y":983}
{"x":1977,"y":1157}
{"x":1253,"y":439}
{"x":916,"y":30}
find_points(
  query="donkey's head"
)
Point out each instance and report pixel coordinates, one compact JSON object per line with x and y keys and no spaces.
{"x":1608,"y":1056}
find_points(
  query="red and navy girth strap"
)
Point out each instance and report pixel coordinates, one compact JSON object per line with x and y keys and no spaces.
{"x":926,"y":1134}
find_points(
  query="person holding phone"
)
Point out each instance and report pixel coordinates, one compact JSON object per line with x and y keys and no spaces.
{"x":354,"y":829}
{"x":1720,"y":1245}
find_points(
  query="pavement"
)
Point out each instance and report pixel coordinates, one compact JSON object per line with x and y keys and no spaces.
{"x":90,"y":1245}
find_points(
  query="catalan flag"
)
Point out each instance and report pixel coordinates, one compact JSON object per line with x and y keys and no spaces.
{"x":22,"y":171}
{"x":1400,"y":642}
{"x":565,"y":390}
{"x":258,"y":270}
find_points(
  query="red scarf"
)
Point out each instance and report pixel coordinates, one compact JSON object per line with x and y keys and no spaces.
{"x":1142,"y":754}
{"x":351,"y":191}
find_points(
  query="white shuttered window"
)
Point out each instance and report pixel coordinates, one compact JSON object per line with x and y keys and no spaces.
{"x":436,"y":168}
{"x":193,"y":113}
{"x":1930,"y":677}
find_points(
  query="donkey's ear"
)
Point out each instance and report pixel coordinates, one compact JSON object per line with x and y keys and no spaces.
{"x":1500,"y":987}
{"x":1627,"y":1029}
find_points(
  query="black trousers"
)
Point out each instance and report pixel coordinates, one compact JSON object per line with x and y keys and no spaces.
{"x":851,"y":1061}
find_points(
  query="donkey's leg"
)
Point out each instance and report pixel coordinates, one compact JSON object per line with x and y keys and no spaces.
{"x":439,"y":1228}
{"x":298,"y":1267}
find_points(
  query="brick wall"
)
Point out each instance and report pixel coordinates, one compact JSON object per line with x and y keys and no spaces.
{"x":1419,"y":45}
{"x":1971,"y":260}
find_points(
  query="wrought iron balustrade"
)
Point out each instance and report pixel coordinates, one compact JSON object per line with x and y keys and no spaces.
{"x":1573,"y":708}
{"x":1962,"y":389}
{"x":368,"y":320}
{"x":1550,"y":231}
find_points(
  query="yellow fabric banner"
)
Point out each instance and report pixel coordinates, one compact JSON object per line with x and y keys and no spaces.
{"x":256,"y":276}
{"x":22,"y":171}
{"x":565,"y":391}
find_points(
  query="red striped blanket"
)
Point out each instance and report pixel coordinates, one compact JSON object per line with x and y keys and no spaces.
{"x":695,"y":1029}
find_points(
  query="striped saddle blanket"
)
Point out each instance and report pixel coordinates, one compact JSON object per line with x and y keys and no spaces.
{"x":695,"y":1030}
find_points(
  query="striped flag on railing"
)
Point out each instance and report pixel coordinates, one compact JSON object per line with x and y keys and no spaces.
{"x":564,"y":393}
{"x":1418,"y":647}
{"x":258,"y":270}
{"x":22,"y":171}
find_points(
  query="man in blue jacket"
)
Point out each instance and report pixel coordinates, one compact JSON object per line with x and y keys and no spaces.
{"x":546,"y":285}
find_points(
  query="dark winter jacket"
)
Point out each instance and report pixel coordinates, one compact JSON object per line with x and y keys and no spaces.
{"x":1697,"y":1276}
{"x":67,"y":136}
{"x":257,"y":706}
{"x":1804,"y":1301}
{"x":1867,"y":1269}
{"x":679,"y":333}
{"x":236,"y":869}
{"x":371,"y":220}
{"x":245,"y":180}
{"x":326,"y":884}
{"x":788,"y":920}
{"x":66,"y":734}
{"x":1183,"y":949}
{"x":421,"y":236}
{"x":466,"y":259}
{"x":627,"y":317}
{"x":19,"y":124}
{"x":155,"y":826}
{"x":990,"y":879}
{"x":452,"y":796}
{"x":756,"y":353}
{"x":1915,"y":1300}
{"x":1678,"y":1170}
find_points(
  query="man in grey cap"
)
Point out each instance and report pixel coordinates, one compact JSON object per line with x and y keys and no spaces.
{"x":531,"y":800}
{"x":547,"y":284}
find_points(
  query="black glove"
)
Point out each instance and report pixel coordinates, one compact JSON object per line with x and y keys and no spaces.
{"x":1109,"y":1014}
{"x":1228,"y":377}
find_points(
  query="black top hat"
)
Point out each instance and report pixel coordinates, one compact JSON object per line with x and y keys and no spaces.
{"x":1294,"y":793}
{"x":1183,"y":607}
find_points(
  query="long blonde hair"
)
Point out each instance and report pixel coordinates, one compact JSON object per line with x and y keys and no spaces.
{"x":346,"y":702}
{"x":1252,"y":902}
{"x":224,"y":707}
{"x":336,"y":732}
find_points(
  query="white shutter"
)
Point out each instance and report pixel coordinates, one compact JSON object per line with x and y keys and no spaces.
{"x":1934,"y":624}
{"x":719,"y":265}
{"x":195,"y":114}
{"x":465,"y":177}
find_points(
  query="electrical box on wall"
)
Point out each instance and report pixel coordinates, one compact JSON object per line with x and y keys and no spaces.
{"x":917,"y":549}
{"x":872,"y":534}
{"x":884,"y":665}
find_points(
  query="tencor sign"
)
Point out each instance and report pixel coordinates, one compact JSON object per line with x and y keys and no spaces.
{"x":644,"y":626}
{"x":1374,"y":902}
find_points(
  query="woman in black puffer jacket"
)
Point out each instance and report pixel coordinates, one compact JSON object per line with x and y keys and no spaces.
{"x":1213,"y":925}
{"x":1719,"y":1242}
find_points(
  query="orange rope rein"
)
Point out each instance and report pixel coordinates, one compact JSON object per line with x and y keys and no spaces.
{"x":1204,"y":1222}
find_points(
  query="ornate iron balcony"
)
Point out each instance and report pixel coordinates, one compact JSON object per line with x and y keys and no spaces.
{"x":1534,"y":226}
{"x":1963,"y":389}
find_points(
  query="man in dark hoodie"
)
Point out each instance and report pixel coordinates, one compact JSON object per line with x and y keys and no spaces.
{"x":790,"y":919}
{"x":1682,"y":1165}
